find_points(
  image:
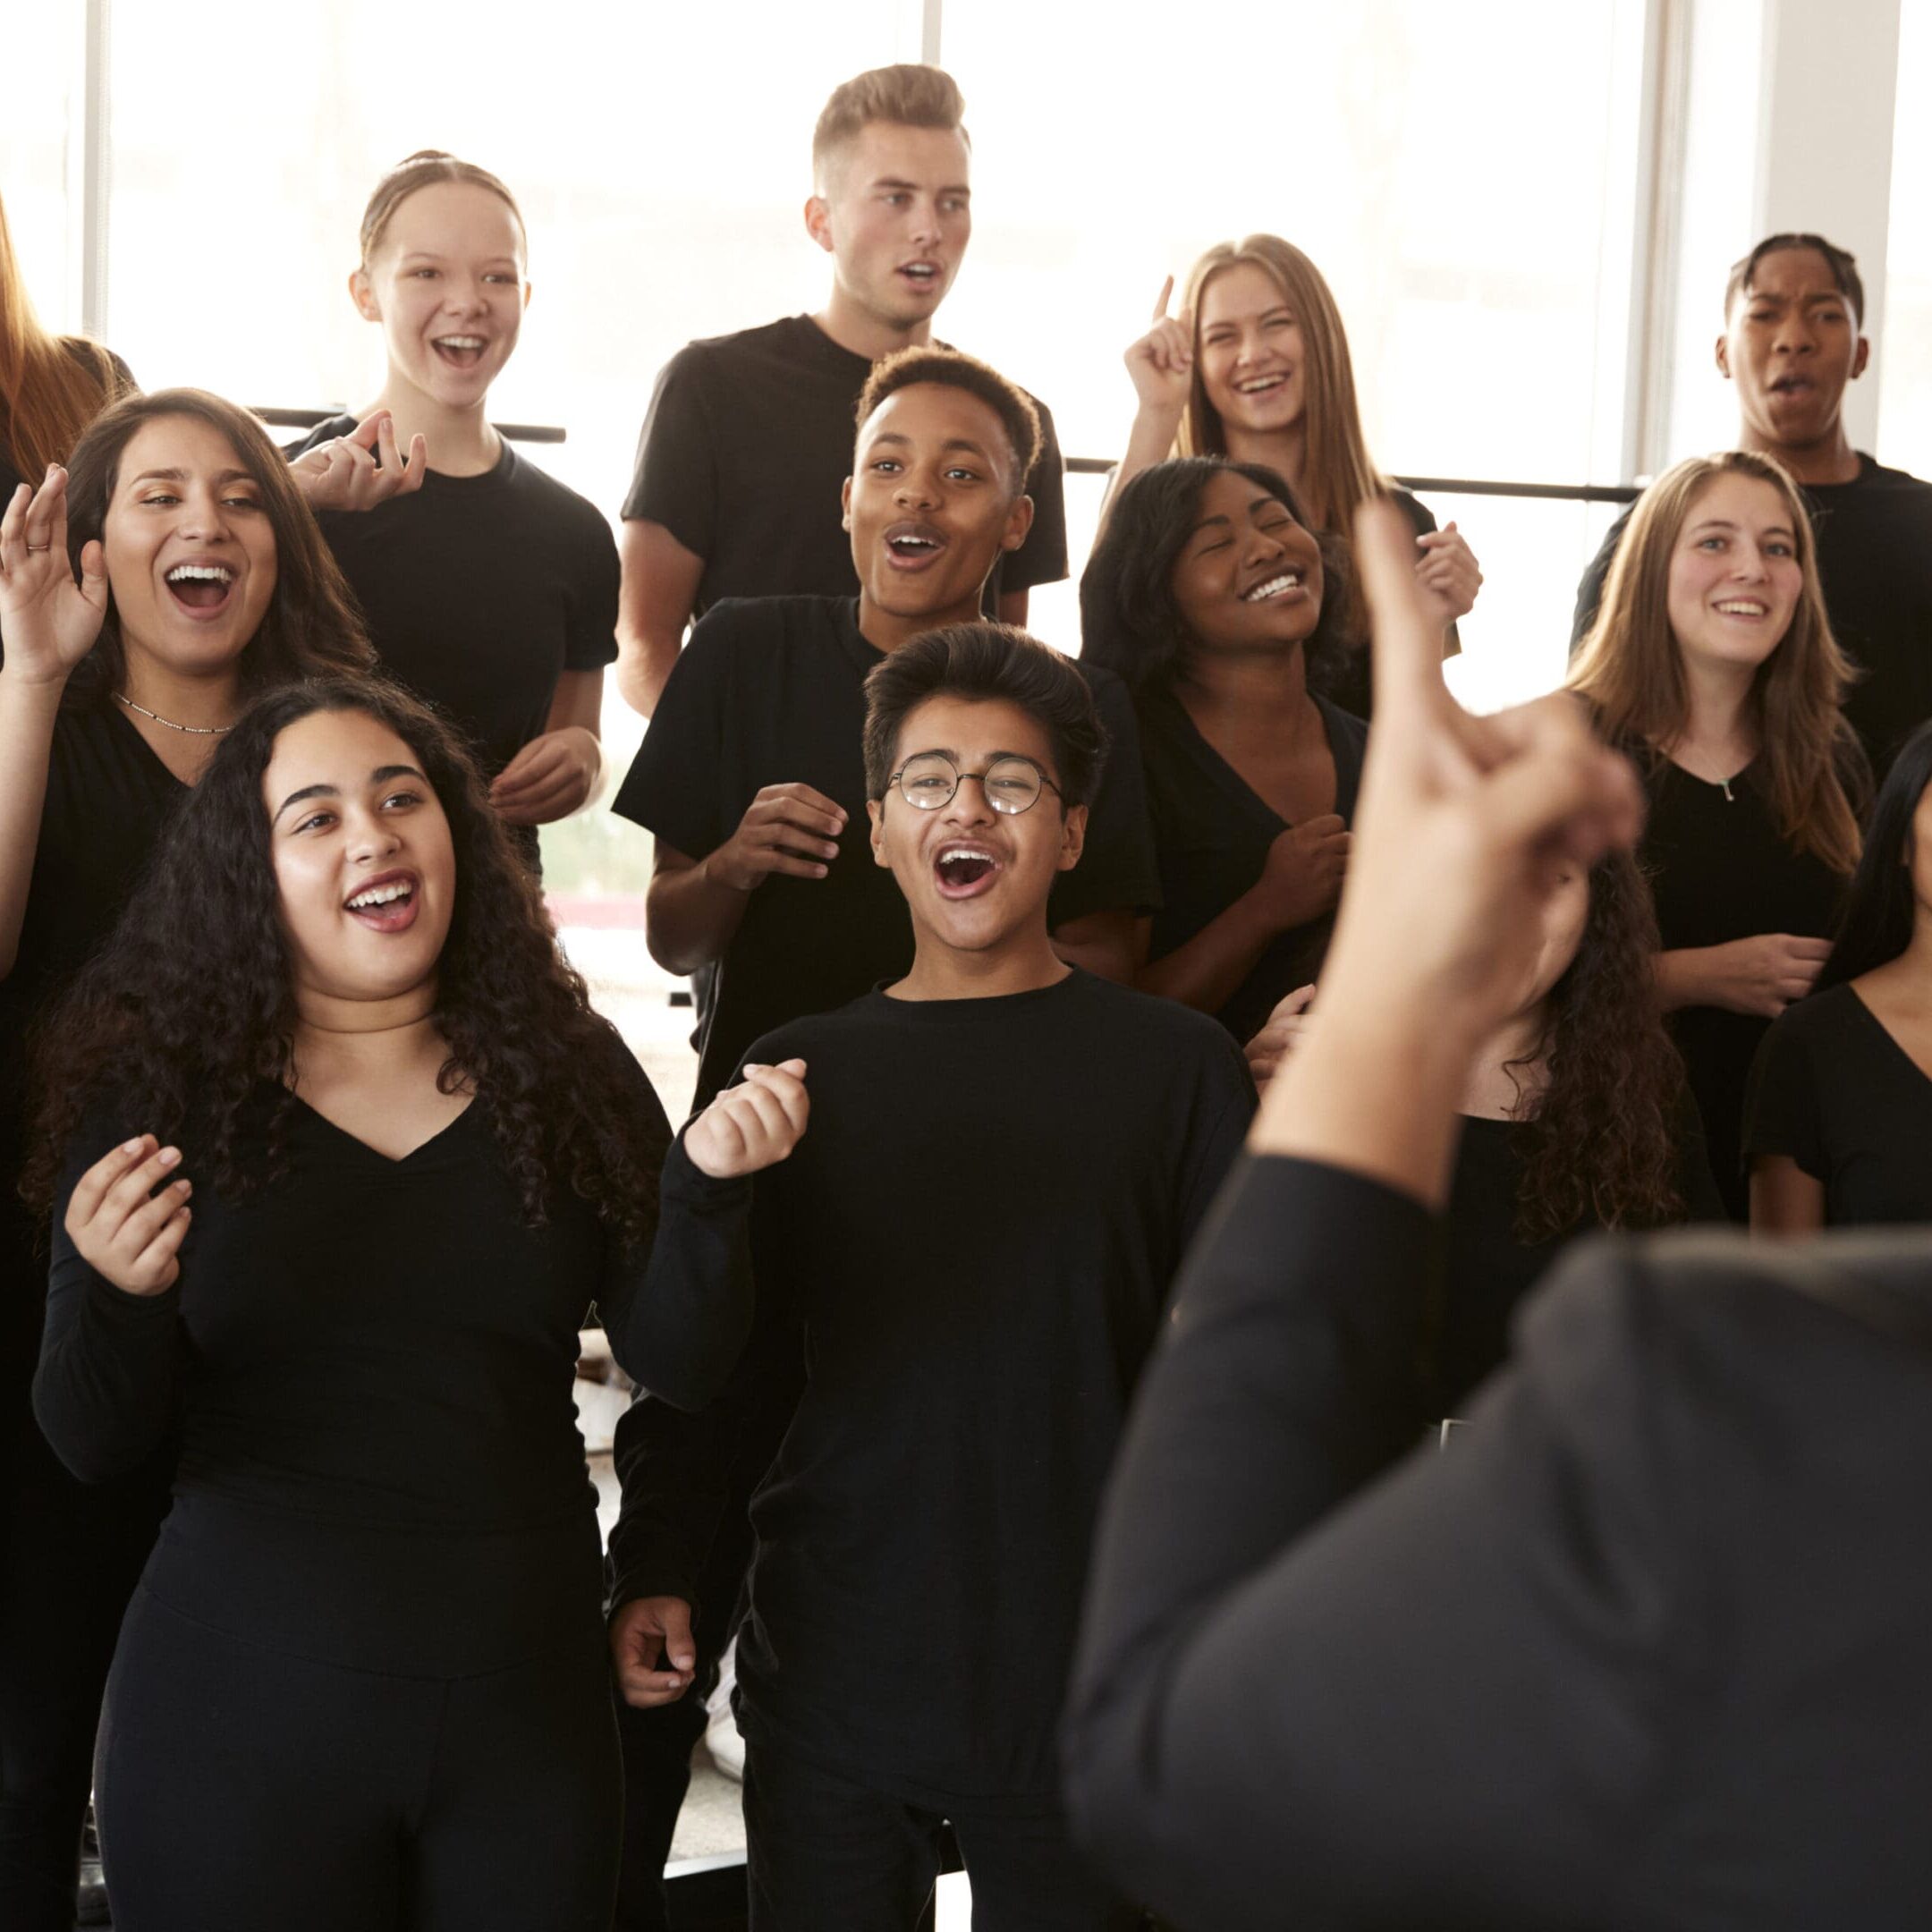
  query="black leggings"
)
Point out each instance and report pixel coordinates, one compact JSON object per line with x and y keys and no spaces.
{"x":70,"y":1555}
{"x":240,"y":1786}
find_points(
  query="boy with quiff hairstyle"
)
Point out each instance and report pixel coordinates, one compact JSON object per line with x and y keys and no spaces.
{"x":748,"y":435}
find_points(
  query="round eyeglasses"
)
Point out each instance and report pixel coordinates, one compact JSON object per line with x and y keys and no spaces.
{"x":1012,"y":784}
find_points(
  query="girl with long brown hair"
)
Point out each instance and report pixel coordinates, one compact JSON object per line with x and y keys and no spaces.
{"x":146,"y":592}
{"x":1711,"y":661}
{"x":1257,"y":367}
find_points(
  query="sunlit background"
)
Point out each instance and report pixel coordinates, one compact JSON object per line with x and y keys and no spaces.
{"x":1499,"y":192}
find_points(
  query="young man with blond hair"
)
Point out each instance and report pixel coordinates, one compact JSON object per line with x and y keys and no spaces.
{"x":749,"y":436}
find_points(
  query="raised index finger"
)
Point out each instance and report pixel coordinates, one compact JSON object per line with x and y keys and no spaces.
{"x":1166,"y":295}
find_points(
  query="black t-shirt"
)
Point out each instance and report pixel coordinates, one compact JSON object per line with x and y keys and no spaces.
{"x":1212,"y":832}
{"x":1720,"y":870}
{"x":481,"y":591}
{"x":373,"y":1363}
{"x":771,"y":691}
{"x":1836,"y":1092}
{"x":1487,"y":1270}
{"x":966,"y":1259}
{"x":1874,"y":566}
{"x":745,"y":448}
{"x":107,"y":799}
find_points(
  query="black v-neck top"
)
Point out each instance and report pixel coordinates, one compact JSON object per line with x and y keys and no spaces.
{"x":1720,"y":870}
{"x":1211,"y":830}
{"x":371,"y":1362}
{"x":1834,"y":1091}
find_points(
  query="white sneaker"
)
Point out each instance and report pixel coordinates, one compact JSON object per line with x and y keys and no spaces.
{"x":722,"y":1739}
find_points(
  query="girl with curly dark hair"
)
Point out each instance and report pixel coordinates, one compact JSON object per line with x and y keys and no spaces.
{"x":146,"y":590}
{"x":343,"y":1157}
{"x":1839,"y":1126}
{"x":1577,"y":1118}
{"x":1216,"y":599}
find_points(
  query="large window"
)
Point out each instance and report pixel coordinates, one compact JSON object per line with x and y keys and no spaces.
{"x":1464,"y":176}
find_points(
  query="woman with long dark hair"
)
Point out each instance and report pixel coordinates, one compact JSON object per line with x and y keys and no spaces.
{"x":1839,"y":1130}
{"x":488,"y":587}
{"x":146,"y":591}
{"x":1575,"y":1118}
{"x":1712,"y":663}
{"x":340,"y":1157}
{"x":1257,"y":367}
{"x":1214,"y":599}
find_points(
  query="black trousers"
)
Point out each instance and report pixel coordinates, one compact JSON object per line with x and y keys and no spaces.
{"x":828,"y":1854}
{"x":240,"y":1787}
{"x":71,"y":1554}
{"x":657,"y":1744}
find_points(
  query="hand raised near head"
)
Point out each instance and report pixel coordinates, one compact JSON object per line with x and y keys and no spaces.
{"x":1161,"y":363}
{"x":48,"y":620}
{"x":752,"y":1125}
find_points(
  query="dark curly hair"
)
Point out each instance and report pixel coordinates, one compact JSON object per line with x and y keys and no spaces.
{"x":1129,"y":622}
{"x":179,"y":1021}
{"x":310,"y":627}
{"x":1601,"y":1145}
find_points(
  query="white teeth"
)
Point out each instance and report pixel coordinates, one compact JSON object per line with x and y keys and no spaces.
{"x":1743,"y":607}
{"x":1255,"y":384}
{"x":914,"y":543}
{"x":949,"y":852}
{"x":380,"y":896}
{"x":1274,"y":587}
{"x":458,"y":342}
{"x":201,"y":573}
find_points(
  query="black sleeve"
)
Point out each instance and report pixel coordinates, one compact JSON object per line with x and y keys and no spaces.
{"x":1224,"y":1110}
{"x":1042,"y":558}
{"x":676,"y":1471}
{"x":1590,"y":589}
{"x":1782,"y":1115}
{"x":1118,"y":870}
{"x":590,"y":633}
{"x":1287,"y":1709}
{"x":678,"y":1313}
{"x":108,"y":1384}
{"x":676,"y":482}
{"x":675,"y":788}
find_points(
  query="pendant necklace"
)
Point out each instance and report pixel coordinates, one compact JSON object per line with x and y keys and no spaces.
{"x":195,"y":730}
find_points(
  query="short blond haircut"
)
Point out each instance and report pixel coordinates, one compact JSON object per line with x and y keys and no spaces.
{"x":906,"y":95}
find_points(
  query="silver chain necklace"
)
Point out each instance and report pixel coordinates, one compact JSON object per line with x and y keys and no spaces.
{"x":193,"y":731}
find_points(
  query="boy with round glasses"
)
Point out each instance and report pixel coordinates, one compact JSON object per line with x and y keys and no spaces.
{"x":965,"y":1195}
{"x":753,"y":781}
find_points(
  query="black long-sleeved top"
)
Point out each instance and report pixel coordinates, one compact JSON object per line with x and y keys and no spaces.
{"x":372,"y":1360}
{"x":961,"y":1268}
{"x":1644,"y":1648}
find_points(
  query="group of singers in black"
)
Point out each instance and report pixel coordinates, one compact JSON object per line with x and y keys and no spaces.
{"x":318,"y":1155}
